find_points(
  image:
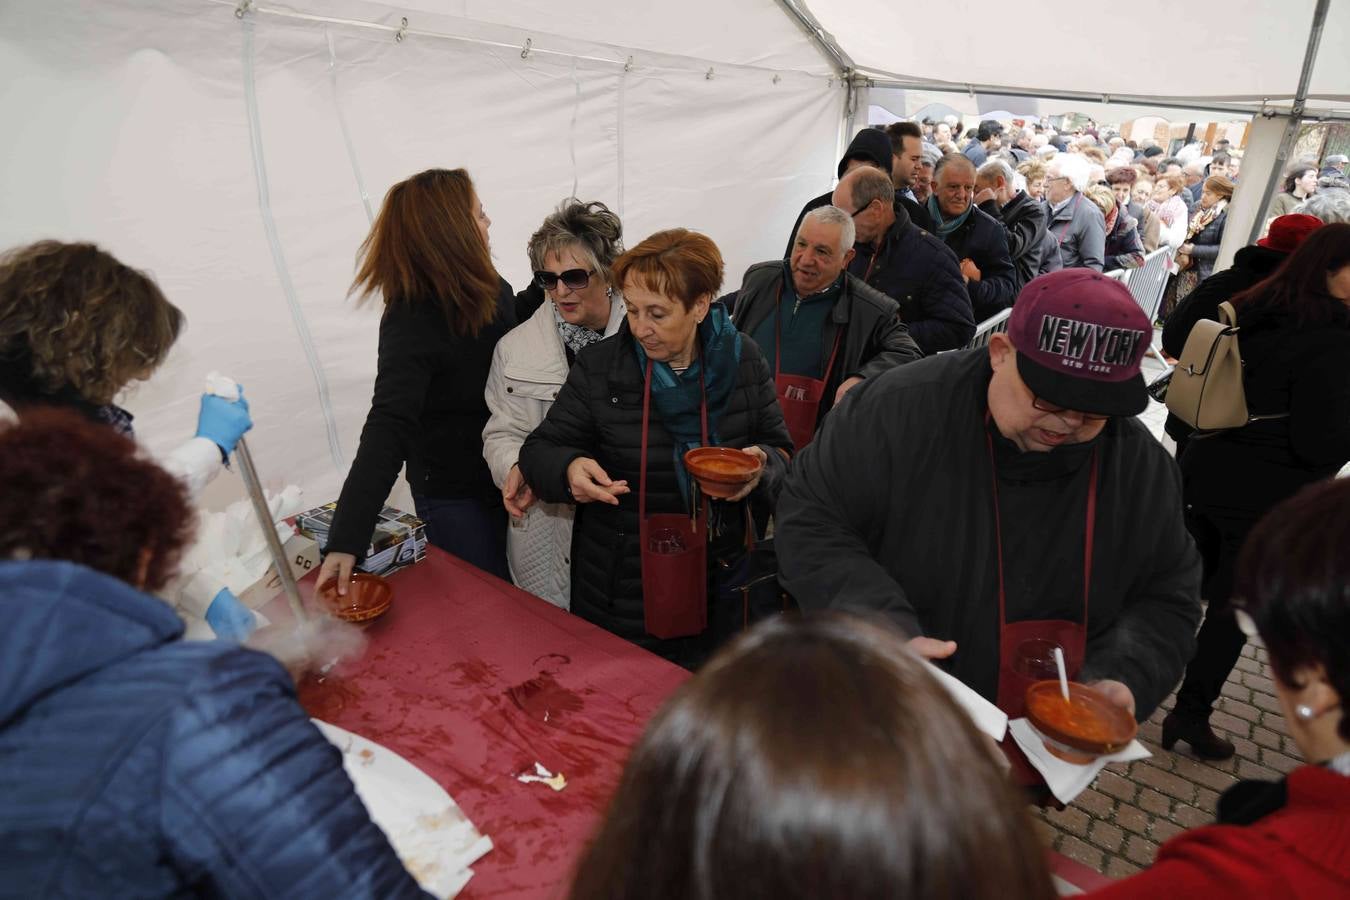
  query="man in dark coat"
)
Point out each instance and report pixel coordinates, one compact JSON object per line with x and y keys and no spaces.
{"x":977,"y":239}
{"x":941,"y":484}
{"x":1023,"y":219}
{"x":870,"y":147}
{"x":1250,"y":265}
{"x":988,"y":138}
{"x":906,"y":263}
{"x":802,"y":308}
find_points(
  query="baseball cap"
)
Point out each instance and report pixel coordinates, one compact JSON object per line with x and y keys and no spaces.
{"x":1080,"y":340}
{"x":1287,"y":232}
{"x":1335,"y":158}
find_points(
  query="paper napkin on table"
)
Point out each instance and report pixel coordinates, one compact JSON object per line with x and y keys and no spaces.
{"x":1066,"y":780}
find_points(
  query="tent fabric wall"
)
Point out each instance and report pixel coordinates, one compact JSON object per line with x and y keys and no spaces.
{"x":130,"y":126}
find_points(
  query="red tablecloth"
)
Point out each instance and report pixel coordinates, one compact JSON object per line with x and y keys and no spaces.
{"x":474,"y":681}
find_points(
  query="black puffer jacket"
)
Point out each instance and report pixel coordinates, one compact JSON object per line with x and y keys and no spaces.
{"x":1024,"y":221}
{"x":918,"y":271}
{"x":982,"y":239}
{"x":1205,"y":245}
{"x":598,"y":414}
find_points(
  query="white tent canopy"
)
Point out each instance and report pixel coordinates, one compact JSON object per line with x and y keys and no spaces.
{"x":237,"y":149}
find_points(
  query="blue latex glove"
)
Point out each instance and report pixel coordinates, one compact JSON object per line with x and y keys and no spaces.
{"x":230,"y":619}
{"x":223,"y":421}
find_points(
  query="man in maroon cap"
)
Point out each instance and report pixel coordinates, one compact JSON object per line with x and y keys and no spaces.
{"x":986,"y":498}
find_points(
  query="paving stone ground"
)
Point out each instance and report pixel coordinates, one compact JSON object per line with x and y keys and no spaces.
{"x":1115,"y":826}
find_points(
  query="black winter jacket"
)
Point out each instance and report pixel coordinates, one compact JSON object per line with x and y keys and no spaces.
{"x":1205,"y":245}
{"x":874,"y":337}
{"x":428,"y":410}
{"x":1301,"y":370}
{"x":889,"y":510}
{"x":915,"y":211}
{"x":598,"y":414}
{"x":1250,"y":265}
{"x":1024,"y":223}
{"x":921,"y":273}
{"x":981,"y":238}
{"x":1124,"y":247}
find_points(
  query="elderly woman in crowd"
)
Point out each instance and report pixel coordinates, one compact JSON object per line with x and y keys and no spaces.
{"x":445,"y":308}
{"x":1034,"y":172}
{"x":1122,"y":182}
{"x":651,"y":562}
{"x":814,"y":758}
{"x":1296,"y":360}
{"x":1329,"y":206}
{"x":1300,"y":183}
{"x":1167,"y":205}
{"x":1285,"y":839}
{"x":1124,"y":249}
{"x":572,"y":255}
{"x":1203,"y":235}
{"x":137,"y":764}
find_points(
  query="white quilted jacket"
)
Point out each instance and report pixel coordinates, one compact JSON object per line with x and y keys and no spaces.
{"x":529,"y":367}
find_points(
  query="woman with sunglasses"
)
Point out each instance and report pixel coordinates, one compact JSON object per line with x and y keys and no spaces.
{"x":571,"y":255}
{"x":652,"y":560}
{"x":1288,"y":839}
{"x":445,"y":308}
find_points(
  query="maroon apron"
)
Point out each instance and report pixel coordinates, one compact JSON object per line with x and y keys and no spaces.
{"x":799,"y":396}
{"x":674,"y":550}
{"x":1071,"y":636}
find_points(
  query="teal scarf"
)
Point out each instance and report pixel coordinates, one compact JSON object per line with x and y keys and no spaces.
{"x":946,"y":227}
{"x":676,"y":396}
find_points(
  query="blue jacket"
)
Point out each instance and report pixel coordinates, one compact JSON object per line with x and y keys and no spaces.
{"x":982,"y":239}
{"x":133,"y":764}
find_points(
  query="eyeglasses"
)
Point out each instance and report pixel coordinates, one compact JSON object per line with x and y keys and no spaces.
{"x":575,"y":279}
{"x":1045,"y":407}
{"x":861,"y":211}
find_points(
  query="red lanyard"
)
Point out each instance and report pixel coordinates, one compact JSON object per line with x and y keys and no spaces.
{"x":1088,"y":540}
{"x":778,"y":340}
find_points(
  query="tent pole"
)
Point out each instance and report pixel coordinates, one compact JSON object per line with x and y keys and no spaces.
{"x":1295,"y":116}
{"x":824,"y":41}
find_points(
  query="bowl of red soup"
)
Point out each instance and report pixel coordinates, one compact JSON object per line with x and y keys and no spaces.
{"x":721,"y":472}
{"x":1082,"y":728}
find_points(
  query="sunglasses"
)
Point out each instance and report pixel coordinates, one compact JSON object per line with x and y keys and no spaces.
{"x":576,"y":279}
{"x":1045,"y":407}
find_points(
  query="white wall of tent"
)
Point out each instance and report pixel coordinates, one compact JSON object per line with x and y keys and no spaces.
{"x":237,"y":150}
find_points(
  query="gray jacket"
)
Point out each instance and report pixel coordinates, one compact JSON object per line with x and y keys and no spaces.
{"x":1080,"y":231}
{"x":874,"y":337}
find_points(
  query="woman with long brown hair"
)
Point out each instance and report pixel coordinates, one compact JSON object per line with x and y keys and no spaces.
{"x":814,"y":758}
{"x":445,"y":308}
{"x":1296,"y":372}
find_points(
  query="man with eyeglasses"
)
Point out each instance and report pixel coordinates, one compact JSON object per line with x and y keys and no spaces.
{"x":1075,"y":223}
{"x":906,"y":263}
{"x":1006,"y":494}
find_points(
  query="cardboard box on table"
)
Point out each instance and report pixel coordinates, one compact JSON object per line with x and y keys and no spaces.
{"x":399,"y":539}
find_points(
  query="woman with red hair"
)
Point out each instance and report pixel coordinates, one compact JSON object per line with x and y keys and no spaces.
{"x":137,"y":764}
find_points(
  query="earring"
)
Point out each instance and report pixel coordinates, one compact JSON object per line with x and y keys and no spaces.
{"x":609,"y":292}
{"x":1304,"y":712}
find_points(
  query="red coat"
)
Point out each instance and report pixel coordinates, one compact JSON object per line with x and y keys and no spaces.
{"x":1300,"y":851}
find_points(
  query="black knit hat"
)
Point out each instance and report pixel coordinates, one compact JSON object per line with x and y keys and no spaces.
{"x":871,"y":145}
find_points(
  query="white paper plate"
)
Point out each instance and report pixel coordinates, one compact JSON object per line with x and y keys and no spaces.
{"x":430,"y":833}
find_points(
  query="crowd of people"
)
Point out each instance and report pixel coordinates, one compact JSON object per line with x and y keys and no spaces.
{"x":909,"y":498}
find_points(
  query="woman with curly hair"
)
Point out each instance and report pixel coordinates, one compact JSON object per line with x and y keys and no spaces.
{"x":77,"y":327}
{"x":572,"y":255}
{"x":137,"y":764}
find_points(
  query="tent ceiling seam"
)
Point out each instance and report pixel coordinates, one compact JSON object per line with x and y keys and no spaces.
{"x":823,"y":40}
{"x":624,"y":60}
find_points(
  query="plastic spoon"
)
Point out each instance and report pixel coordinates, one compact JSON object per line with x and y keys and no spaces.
{"x":1063,"y":676}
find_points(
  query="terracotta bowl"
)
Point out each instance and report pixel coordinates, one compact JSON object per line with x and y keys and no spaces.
{"x":1082,"y":729}
{"x":721,"y":471}
{"x":368,"y":597}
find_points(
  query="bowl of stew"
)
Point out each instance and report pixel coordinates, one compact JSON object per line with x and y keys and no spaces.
{"x":1082,"y":728}
{"x":368,"y":597}
{"x":721,"y":472}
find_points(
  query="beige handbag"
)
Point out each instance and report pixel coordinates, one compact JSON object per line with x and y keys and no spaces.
{"x":1206,"y":390}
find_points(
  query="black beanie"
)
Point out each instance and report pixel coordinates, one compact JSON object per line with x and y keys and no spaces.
{"x":871,"y":145}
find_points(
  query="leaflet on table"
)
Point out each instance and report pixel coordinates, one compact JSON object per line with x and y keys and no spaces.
{"x":399,"y":540}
